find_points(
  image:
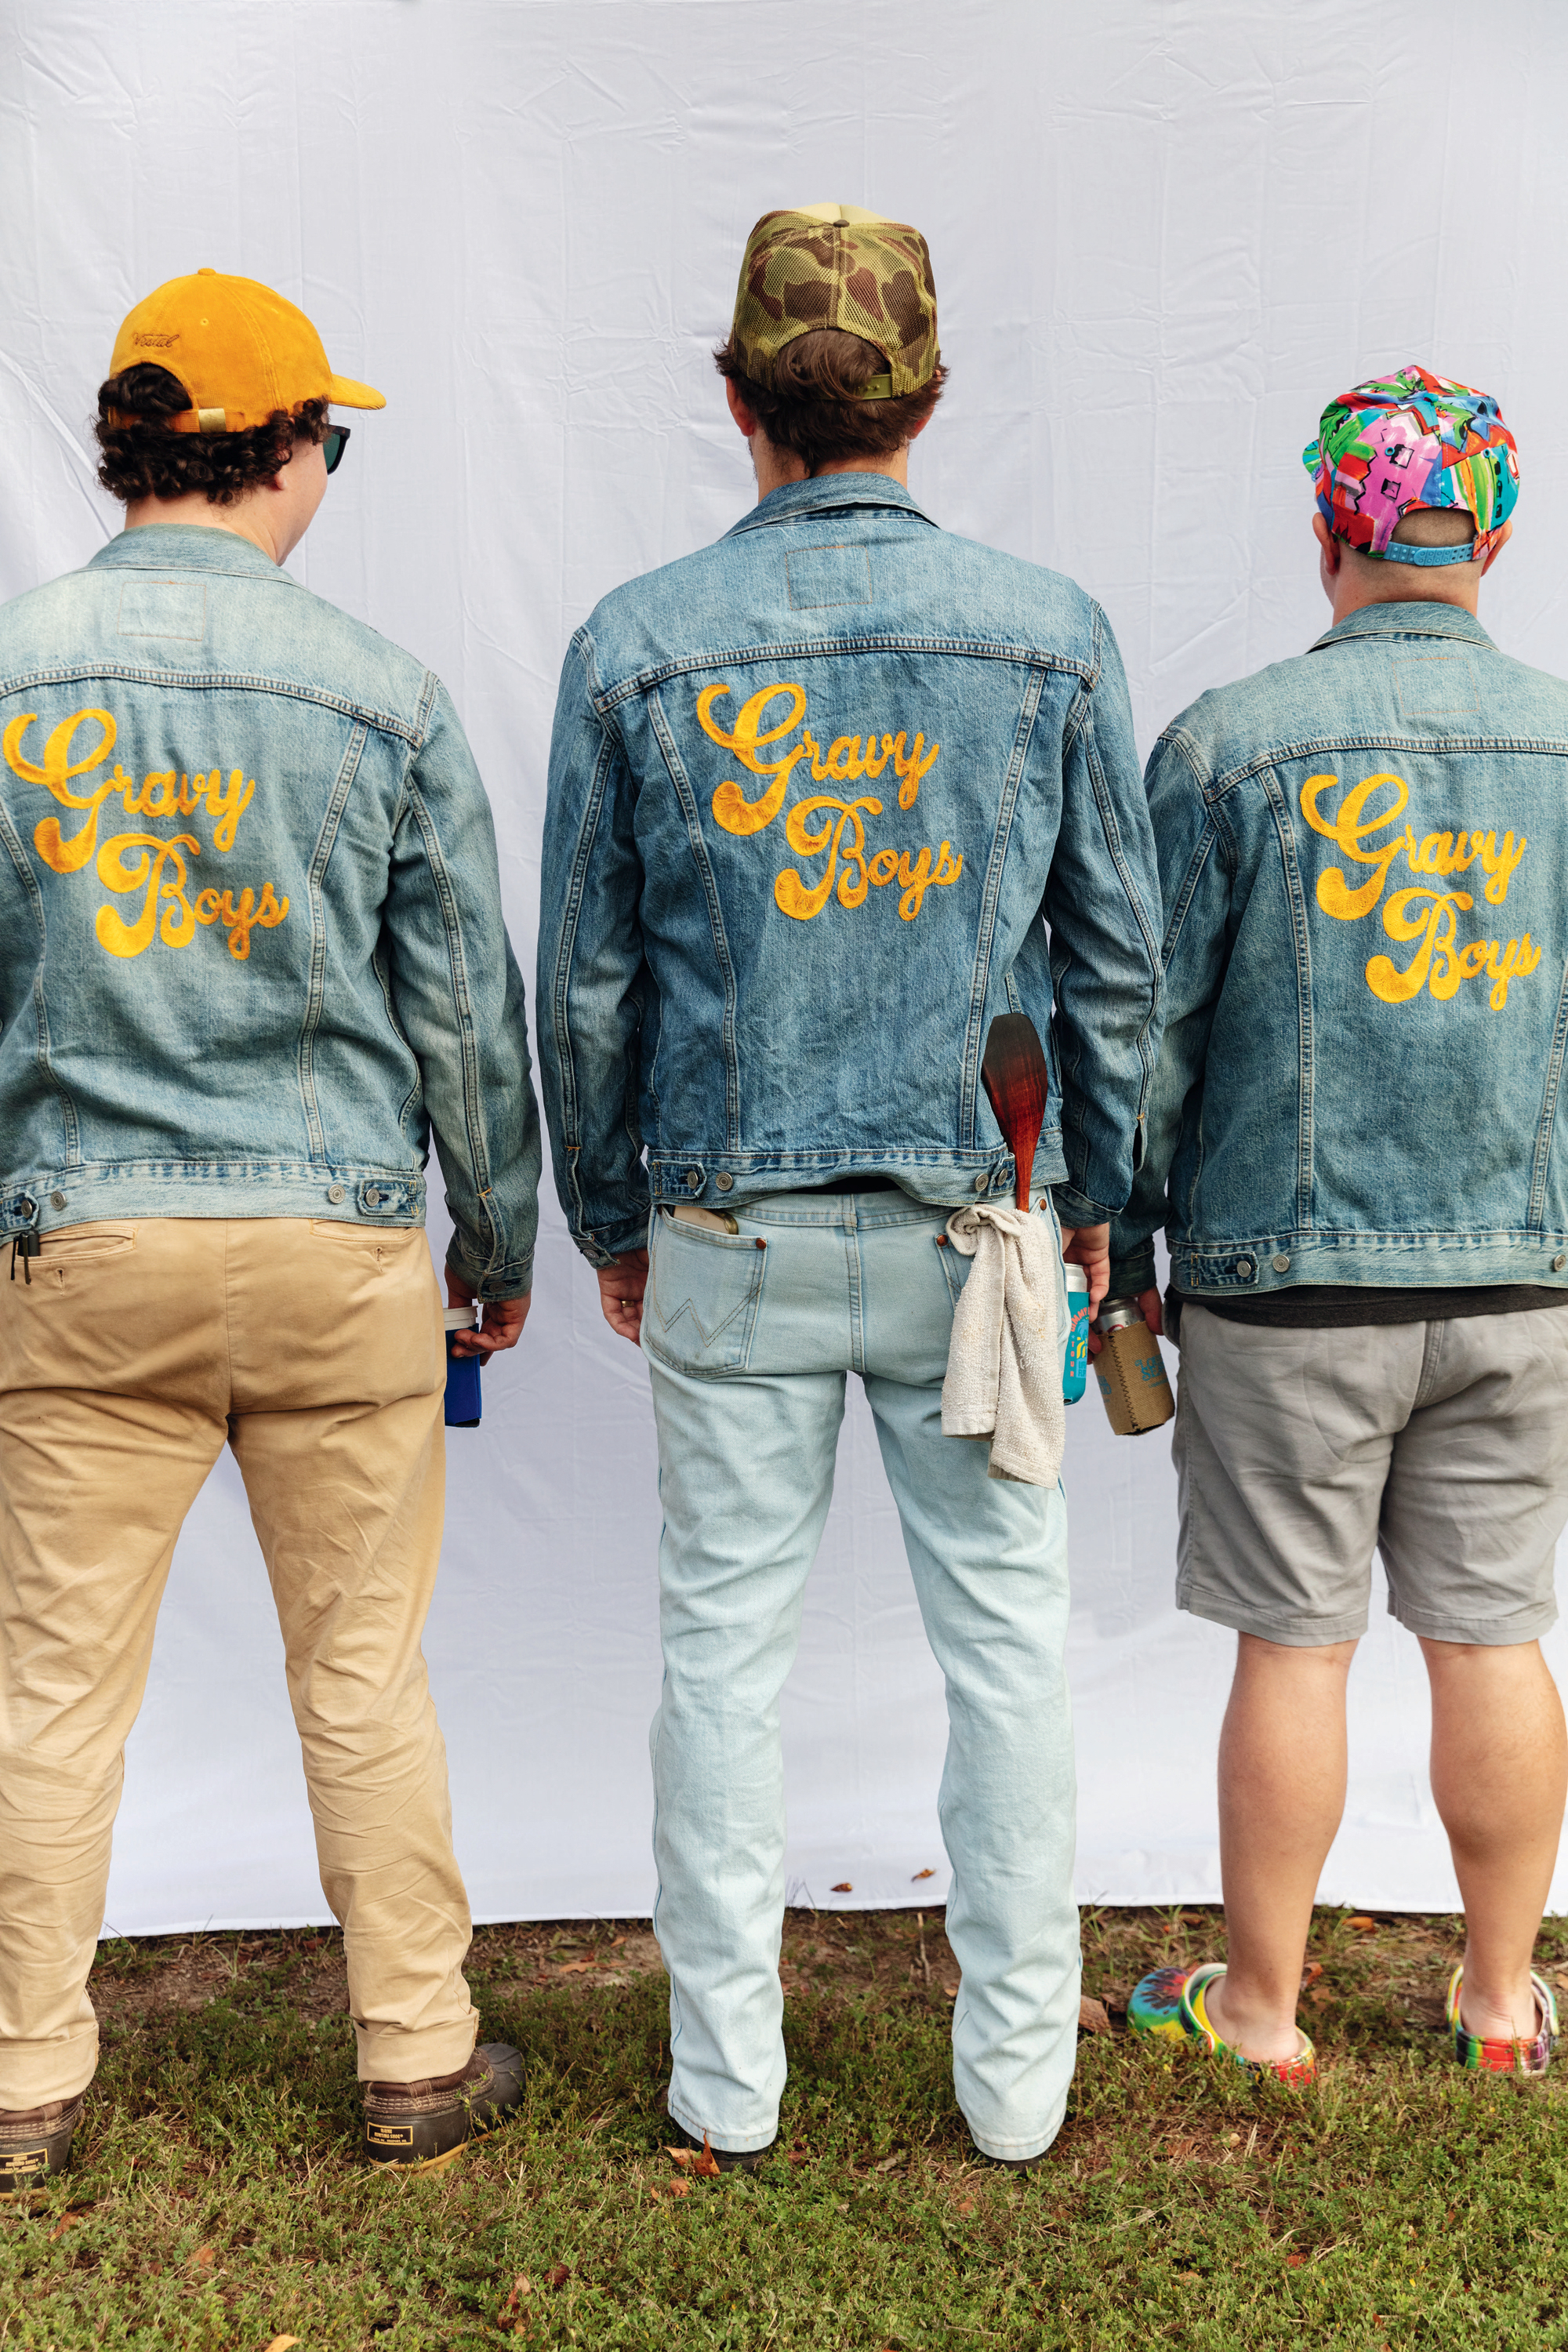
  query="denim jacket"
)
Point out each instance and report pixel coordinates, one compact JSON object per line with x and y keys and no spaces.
{"x":251,"y":945}
{"x":1363,"y":854}
{"x":811,"y":792}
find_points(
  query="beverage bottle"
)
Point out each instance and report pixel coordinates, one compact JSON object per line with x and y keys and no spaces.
{"x":464,"y":1403}
{"x":1075,"y":1357}
{"x":1131,"y":1371}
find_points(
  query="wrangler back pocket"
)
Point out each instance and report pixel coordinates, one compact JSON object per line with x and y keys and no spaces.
{"x":703,"y":1293}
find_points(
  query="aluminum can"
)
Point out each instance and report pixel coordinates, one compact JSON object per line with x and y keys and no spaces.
{"x":1075,"y":1356}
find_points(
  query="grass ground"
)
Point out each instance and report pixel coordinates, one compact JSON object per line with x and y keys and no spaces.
{"x":217,"y":2198}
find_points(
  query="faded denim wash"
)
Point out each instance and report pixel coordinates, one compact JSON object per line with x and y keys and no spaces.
{"x":1362,"y":854}
{"x":748,"y":1339}
{"x":812,"y":791}
{"x":251,"y":946}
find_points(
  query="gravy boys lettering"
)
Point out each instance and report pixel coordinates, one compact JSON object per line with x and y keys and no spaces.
{"x":128,"y":862}
{"x":1427,"y":915}
{"x":840,"y":831}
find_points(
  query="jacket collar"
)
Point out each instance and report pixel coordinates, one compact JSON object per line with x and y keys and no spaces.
{"x":1406,"y":619}
{"x":185,"y":546}
{"x":824,"y":494}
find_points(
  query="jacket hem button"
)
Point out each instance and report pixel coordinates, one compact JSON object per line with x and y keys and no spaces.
{"x":1281,"y":1263}
{"x":57,"y":1201}
{"x":723,"y":1180}
{"x":334,"y":1192}
{"x":1558,"y":1262}
{"x":1244,"y":1268}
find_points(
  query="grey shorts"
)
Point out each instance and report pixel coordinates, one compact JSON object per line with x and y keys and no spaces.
{"x":1443,"y":1446}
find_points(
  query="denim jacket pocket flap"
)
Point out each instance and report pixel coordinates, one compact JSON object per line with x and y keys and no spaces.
{"x":702,"y":1299}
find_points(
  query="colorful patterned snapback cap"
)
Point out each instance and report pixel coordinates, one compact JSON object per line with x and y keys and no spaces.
{"x":1411,"y":440}
{"x":837,"y":266}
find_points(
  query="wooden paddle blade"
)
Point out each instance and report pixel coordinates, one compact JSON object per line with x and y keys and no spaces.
{"x":1014,"y":1075}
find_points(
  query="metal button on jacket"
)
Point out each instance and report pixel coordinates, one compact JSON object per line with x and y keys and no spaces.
{"x":334,"y":1192}
{"x":1244,"y":1268}
{"x":1282,"y":1263}
{"x":1558,"y":1262}
{"x":694,"y":1179}
{"x":724,"y":1181}
{"x":57,"y":1201}
{"x":982,"y":1183}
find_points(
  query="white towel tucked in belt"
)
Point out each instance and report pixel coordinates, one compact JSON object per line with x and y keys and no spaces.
{"x":1004,"y":1363}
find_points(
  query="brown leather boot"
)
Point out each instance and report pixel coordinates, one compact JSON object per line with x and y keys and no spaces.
{"x":426,"y":2123}
{"x":34,"y":2141}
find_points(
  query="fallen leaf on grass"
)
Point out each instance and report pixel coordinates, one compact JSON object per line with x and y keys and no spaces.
{"x":282,"y":2342}
{"x":576,"y":1968}
{"x":1362,"y":1923}
{"x":888,"y":2163}
{"x":206,"y":2256}
{"x":798,"y":2155}
{"x":62,"y":2225}
{"x":1092,"y":2017}
{"x":707,"y":2164}
{"x":1321,"y":1997}
{"x":685,"y":2157}
{"x":964,"y":2207}
{"x":919,"y":1876}
{"x":1310,"y":1973}
{"x":678,"y":2189}
{"x":952,"y":1991}
{"x":557,"y":2276}
{"x":1294,"y":2261}
{"x":843,"y":1888}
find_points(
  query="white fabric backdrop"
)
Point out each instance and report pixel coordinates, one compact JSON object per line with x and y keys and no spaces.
{"x":1163,"y":233}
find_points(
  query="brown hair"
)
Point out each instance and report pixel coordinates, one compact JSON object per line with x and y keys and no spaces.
{"x":811,"y":406}
{"x":144,"y":459}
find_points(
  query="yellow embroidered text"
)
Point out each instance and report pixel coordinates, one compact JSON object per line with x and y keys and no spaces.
{"x":140,"y":861}
{"x":842,"y":833}
{"x":1439,"y":963}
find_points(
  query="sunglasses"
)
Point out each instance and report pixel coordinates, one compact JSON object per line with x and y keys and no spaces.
{"x":334,"y":441}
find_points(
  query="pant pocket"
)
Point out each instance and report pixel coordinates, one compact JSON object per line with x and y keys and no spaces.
{"x":703,"y":1293}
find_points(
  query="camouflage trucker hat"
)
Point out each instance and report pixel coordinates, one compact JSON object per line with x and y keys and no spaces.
{"x":837,"y":266}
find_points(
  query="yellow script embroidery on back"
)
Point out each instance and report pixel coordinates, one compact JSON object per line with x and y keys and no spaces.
{"x":128,"y":862}
{"x":1430,"y":917}
{"x":842,"y":833}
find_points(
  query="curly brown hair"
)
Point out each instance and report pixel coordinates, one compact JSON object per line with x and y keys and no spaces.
{"x":811,"y":405}
{"x":144,"y":458}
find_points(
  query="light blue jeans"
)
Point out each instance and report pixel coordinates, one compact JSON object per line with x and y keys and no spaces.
{"x":749,"y":1337}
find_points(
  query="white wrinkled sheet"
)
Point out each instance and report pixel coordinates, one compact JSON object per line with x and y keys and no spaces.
{"x":1163,"y":233}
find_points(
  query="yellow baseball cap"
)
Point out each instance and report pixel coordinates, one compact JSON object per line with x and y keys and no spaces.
{"x":239,"y":350}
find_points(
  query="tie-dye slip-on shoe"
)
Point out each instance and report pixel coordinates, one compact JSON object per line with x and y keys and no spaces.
{"x":1505,"y":2057}
{"x":1168,"y":2004}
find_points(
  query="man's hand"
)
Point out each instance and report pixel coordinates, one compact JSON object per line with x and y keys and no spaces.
{"x":1089,"y":1246}
{"x":621,"y":1288}
{"x":502,"y":1324}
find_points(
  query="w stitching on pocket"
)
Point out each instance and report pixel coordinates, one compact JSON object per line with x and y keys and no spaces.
{"x":711,"y":1282}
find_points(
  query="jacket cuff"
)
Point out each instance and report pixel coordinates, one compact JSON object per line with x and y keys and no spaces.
{"x":602,"y":1248}
{"x":1076,"y":1208}
{"x":512,"y":1280}
{"x":1132,"y":1276}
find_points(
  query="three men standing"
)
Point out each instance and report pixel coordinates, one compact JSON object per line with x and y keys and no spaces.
{"x":813,"y":792}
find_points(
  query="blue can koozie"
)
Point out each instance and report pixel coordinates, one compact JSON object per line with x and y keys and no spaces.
{"x":464,"y":1403}
{"x":1075,"y":1357}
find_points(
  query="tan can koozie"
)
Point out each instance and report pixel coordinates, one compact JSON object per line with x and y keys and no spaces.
{"x":1131,"y":1371}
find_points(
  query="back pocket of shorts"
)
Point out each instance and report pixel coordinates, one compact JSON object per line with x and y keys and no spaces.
{"x":702,"y":1299}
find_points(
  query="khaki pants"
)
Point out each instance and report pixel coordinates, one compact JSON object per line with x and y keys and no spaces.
{"x":316,"y":1350}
